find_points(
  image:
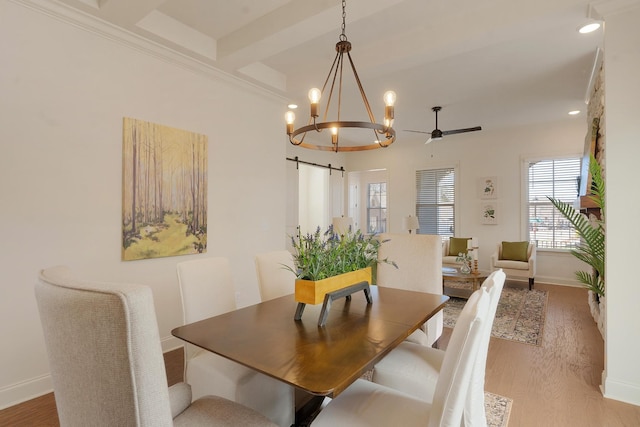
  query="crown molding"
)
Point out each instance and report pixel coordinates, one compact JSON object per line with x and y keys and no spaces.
{"x":108,"y":31}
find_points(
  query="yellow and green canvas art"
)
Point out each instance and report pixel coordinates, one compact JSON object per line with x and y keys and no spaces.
{"x":164,"y":194}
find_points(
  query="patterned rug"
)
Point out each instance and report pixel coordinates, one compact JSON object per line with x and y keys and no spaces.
{"x":497,"y":409}
{"x":520,"y":315}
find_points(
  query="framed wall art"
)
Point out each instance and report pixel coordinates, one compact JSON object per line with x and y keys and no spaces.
{"x":488,"y":187}
{"x":489,"y":213}
{"x":164,"y":191}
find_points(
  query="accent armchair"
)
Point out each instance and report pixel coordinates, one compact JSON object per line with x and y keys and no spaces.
{"x":450,"y":249}
{"x":106,"y":360}
{"x":516,"y":259}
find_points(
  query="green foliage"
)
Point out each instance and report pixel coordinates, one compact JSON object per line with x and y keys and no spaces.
{"x":319,"y":255}
{"x":591,"y":248}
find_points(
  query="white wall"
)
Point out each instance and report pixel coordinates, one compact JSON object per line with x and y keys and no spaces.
{"x":64,"y":92}
{"x":621,"y":378}
{"x":476,"y":155}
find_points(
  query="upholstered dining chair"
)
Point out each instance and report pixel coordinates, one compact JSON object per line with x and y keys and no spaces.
{"x":516,"y":259}
{"x":106,"y":360}
{"x":419,"y":260}
{"x":414,"y":369}
{"x":207,"y":290}
{"x":274,"y":279}
{"x":366,"y":403}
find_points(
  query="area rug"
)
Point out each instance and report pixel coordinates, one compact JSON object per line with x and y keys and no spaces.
{"x":497,"y":409}
{"x":520,"y":315}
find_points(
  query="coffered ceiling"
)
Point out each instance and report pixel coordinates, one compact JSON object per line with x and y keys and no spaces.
{"x":494,"y":63}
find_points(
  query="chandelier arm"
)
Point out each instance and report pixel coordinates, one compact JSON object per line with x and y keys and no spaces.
{"x":335,"y":60}
{"x":364,"y":96}
{"x":340,"y":85}
{"x":334,"y":69}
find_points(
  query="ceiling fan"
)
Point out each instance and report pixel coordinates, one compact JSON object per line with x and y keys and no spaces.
{"x":437,"y":134}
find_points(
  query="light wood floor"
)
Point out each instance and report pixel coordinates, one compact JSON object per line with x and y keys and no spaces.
{"x":556,"y":384}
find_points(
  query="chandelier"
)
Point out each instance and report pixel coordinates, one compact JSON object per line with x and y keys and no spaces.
{"x":383,"y":133}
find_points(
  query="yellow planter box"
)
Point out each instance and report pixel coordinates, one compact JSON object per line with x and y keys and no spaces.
{"x":313,"y":292}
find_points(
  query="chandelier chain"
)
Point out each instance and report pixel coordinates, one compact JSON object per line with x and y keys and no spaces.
{"x":343,"y":36}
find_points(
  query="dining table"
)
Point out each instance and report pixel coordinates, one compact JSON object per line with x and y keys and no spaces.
{"x":320,"y":360}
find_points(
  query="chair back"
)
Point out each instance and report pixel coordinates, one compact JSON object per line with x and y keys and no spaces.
{"x":274,"y":279}
{"x":459,"y":360}
{"x":419,"y":260}
{"x":474,"y":413}
{"x":206,"y":288}
{"x":104,"y":352}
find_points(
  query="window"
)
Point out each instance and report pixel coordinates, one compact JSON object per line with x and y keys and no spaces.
{"x":557,"y":178}
{"x":435,"y":201}
{"x":377,"y":208}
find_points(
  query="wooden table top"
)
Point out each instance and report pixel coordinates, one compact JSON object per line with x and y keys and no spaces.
{"x":320,"y":360}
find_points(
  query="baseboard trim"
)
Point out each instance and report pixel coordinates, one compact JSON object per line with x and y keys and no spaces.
{"x":21,"y":392}
{"x":171,"y":343}
{"x":15,"y":394}
{"x":621,"y":390}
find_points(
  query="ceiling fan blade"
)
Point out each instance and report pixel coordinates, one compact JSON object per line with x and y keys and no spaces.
{"x":454,"y":131}
{"x":416,"y":131}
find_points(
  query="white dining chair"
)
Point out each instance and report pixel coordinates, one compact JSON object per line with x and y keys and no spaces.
{"x":419,"y":260}
{"x":207,"y":290}
{"x":274,"y":279}
{"x":365,"y":403}
{"x":414,"y":369}
{"x":106,"y":360}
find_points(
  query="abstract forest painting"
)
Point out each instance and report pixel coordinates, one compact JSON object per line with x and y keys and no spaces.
{"x":164,"y":195}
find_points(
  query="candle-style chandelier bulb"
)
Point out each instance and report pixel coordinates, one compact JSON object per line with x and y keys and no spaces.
{"x":314,"y":98}
{"x":314,"y":95}
{"x":389,"y":98}
{"x":289,"y":118}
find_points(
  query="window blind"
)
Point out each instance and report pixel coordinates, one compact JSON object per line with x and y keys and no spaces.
{"x":435,"y":201}
{"x":557,"y":178}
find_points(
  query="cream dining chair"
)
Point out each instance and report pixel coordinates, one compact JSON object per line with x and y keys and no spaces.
{"x":274,"y":279}
{"x":419,"y":260}
{"x":207,"y":290}
{"x":106,"y":360}
{"x":414,"y":369}
{"x":365,"y":403}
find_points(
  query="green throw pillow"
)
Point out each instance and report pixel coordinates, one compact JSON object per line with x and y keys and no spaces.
{"x":457,"y":245}
{"x":515,"y":251}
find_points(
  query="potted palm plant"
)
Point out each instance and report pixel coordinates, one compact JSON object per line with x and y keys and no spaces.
{"x":592,"y":234}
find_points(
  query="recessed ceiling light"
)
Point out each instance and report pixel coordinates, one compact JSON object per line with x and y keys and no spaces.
{"x":589,"y":28}
{"x":292,"y":106}
{"x":574,"y":112}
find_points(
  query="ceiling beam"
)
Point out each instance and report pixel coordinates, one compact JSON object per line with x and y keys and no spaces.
{"x":127,"y":13}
